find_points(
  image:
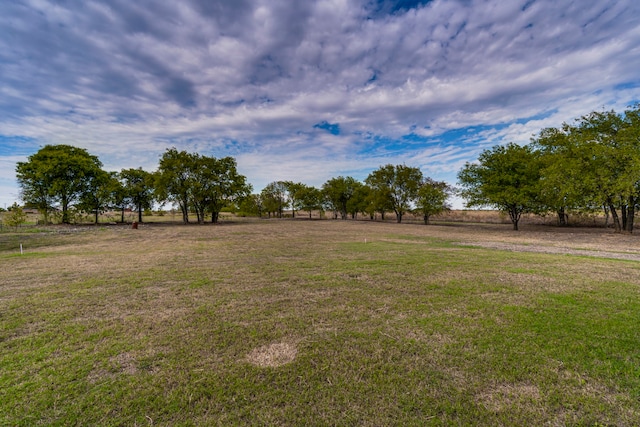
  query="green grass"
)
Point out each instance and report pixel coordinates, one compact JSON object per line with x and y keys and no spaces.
{"x":160,"y":325}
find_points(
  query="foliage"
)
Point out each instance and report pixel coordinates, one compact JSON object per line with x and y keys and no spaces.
{"x":310,"y":199}
{"x":593,"y":163}
{"x":174,"y":180}
{"x":57,"y":174}
{"x":15,"y":217}
{"x":139,"y":188}
{"x":360,"y":201}
{"x":505,"y":177}
{"x":432,"y":198}
{"x":202,"y":183}
{"x":274,"y":198}
{"x":338,"y":192}
{"x":395,"y":186}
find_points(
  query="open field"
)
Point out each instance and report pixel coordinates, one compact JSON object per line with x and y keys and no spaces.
{"x":280,"y":322}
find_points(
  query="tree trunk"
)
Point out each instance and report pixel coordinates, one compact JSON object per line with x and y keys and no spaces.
{"x":398,"y":217}
{"x":185,"y":213}
{"x":214,"y":217}
{"x":65,"y":211}
{"x":616,"y":220}
{"x":631,"y":213}
{"x":426,"y":219}
{"x":623,"y":213}
{"x":514,"y":215}
{"x":122,"y":215}
{"x":96,"y":217}
{"x":562,"y":217}
{"x":140,"y":213}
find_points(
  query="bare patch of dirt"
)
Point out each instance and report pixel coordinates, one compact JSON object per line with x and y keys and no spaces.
{"x":273,"y":355}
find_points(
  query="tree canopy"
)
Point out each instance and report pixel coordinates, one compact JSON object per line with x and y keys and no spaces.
{"x":506,"y":178}
{"x":396,"y":186}
{"x":57,"y":175}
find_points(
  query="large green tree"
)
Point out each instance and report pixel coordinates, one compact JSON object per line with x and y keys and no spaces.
{"x":221,"y":184}
{"x":505,"y":177}
{"x":593,"y":163}
{"x":338,"y":192}
{"x":139,"y":187}
{"x":101,"y":194}
{"x":57,"y":175}
{"x":310,"y":199}
{"x":397,"y":184}
{"x":175,"y":179}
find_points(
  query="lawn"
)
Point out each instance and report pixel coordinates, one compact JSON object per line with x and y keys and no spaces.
{"x":281,"y":322}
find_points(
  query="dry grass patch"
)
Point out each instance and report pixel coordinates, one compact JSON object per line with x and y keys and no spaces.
{"x":111,"y":326}
{"x":273,"y":355}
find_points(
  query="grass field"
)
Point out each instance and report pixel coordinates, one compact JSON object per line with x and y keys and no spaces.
{"x":280,"y":322}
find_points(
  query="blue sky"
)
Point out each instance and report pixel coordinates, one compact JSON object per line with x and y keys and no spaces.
{"x":305,"y":90}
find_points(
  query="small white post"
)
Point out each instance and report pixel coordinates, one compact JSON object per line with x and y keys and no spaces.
{"x":21,"y":249}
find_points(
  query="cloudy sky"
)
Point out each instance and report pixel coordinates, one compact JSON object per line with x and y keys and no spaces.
{"x":305,"y":90}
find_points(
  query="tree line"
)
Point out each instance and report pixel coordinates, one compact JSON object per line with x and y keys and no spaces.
{"x":396,"y":188}
{"x":589,"y":165}
{"x":66,"y":178}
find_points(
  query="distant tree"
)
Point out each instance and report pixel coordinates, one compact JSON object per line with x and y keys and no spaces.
{"x":15,"y":217}
{"x":274,"y":198}
{"x":251,"y":205}
{"x":225,"y":185}
{"x":432,"y":198}
{"x":100,"y":194}
{"x":310,"y":199}
{"x":139,"y":188}
{"x":175,"y":179}
{"x":338,"y":191}
{"x":57,"y":174}
{"x":396,"y":186}
{"x":295,"y":191}
{"x":505,"y":177}
{"x":359,"y":201}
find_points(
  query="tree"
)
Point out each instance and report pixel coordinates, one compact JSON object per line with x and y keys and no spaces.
{"x":359,"y":201}
{"x":57,"y":174}
{"x":609,"y":157}
{"x":101,"y":193}
{"x":225,"y":185}
{"x":274,"y":198}
{"x":15,"y":217}
{"x":591,"y":164}
{"x":338,"y":191}
{"x":398,"y":185}
{"x":505,"y":177}
{"x":175,"y":181}
{"x":295,"y":191}
{"x":251,"y":205}
{"x":432,"y":198}
{"x":310,"y":199}
{"x":139,"y":187}
{"x":560,"y":187}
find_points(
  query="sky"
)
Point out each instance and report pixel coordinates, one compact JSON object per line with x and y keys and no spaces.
{"x":306,"y":90}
